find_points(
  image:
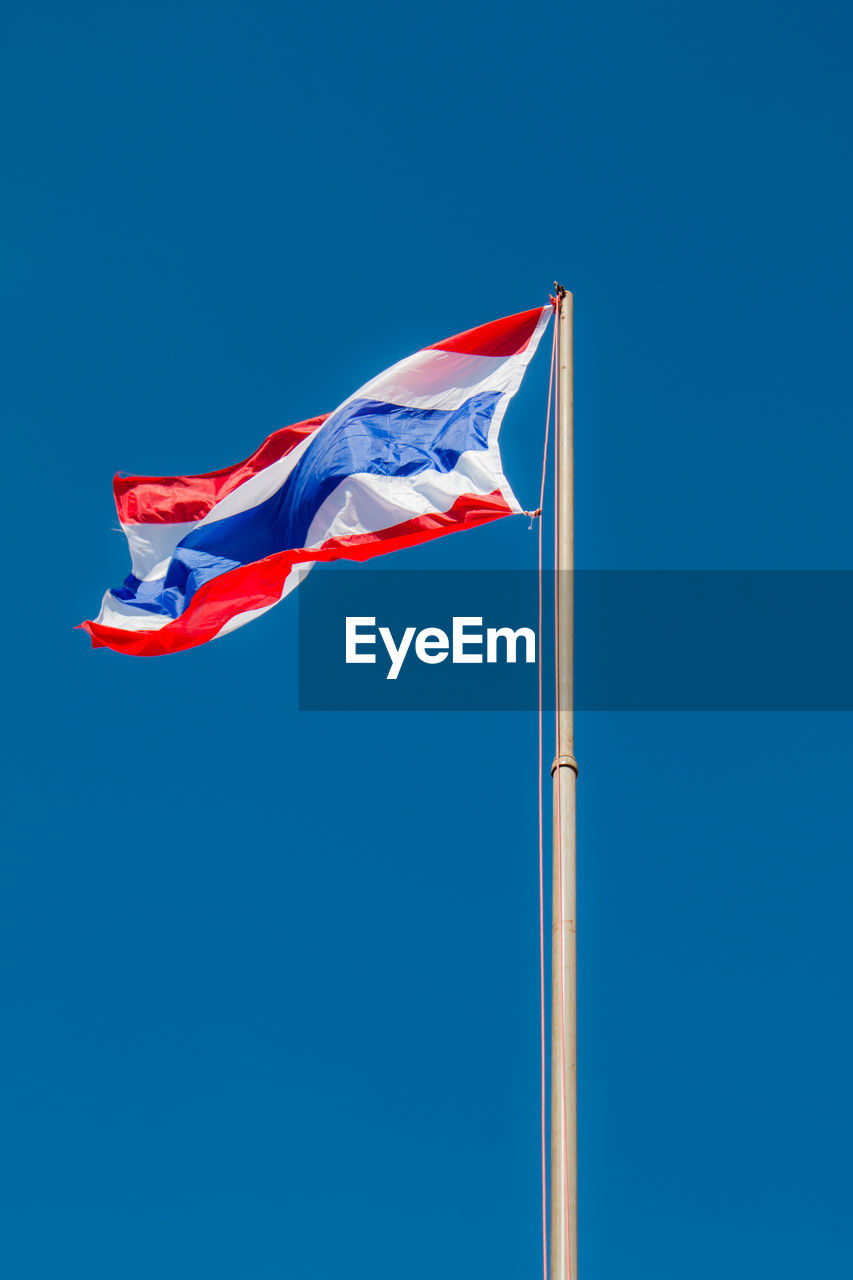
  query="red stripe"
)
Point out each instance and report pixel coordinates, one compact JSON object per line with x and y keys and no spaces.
{"x":500,"y":338}
{"x":253,"y":586}
{"x":175,"y":499}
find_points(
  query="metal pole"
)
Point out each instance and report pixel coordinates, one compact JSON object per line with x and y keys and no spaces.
{"x":564,"y":1144}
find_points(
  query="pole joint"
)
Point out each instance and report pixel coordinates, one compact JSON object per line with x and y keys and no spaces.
{"x":564,"y":762}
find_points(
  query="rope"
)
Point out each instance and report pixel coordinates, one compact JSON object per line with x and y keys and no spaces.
{"x":542,"y":1037}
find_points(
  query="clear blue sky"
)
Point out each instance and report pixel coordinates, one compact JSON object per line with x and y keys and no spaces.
{"x":270,"y":980}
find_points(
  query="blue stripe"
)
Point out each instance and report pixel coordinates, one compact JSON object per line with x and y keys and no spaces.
{"x":365,"y":436}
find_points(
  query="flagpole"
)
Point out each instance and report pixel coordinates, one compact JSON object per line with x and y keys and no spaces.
{"x":564,"y":1168}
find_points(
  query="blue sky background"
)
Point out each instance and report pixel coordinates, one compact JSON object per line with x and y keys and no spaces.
{"x":270,"y":980}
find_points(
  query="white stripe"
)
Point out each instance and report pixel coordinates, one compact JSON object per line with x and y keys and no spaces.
{"x":153,"y":545}
{"x":129,"y":617}
{"x":368,"y":504}
{"x":439,"y":379}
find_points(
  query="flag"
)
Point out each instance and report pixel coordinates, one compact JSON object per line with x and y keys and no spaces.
{"x":410,"y":456}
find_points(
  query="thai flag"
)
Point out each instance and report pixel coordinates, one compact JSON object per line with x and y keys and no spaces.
{"x":411,"y":456}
